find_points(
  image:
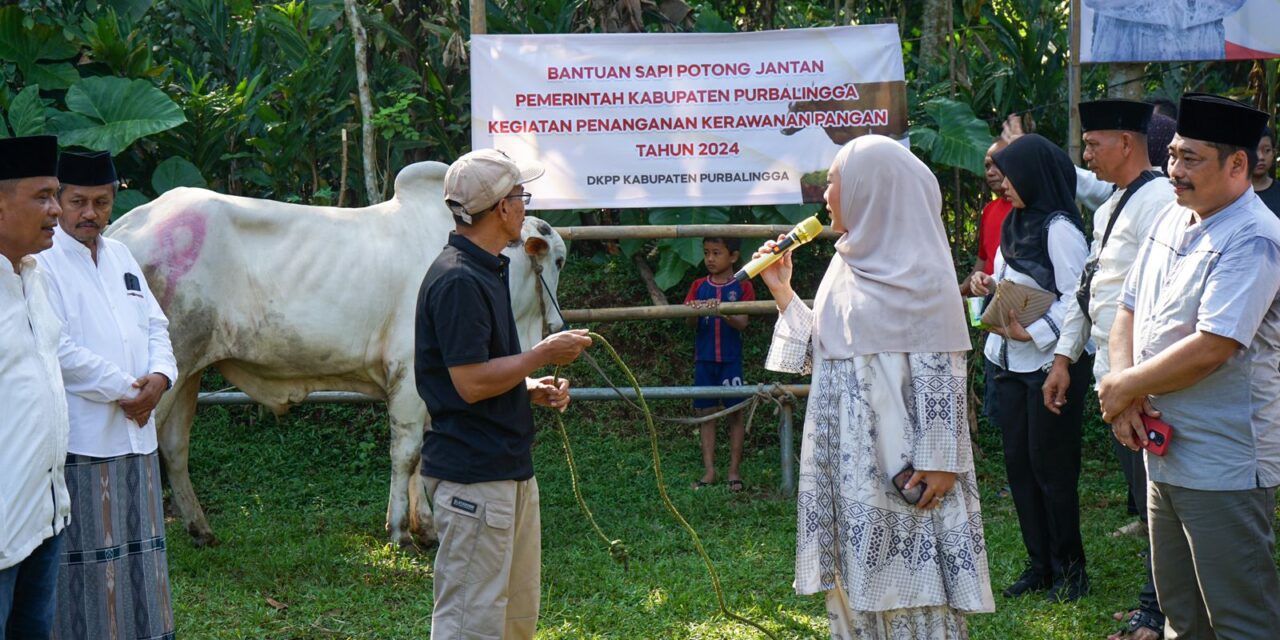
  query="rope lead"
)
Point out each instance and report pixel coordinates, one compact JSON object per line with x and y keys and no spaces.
{"x":618,"y":550}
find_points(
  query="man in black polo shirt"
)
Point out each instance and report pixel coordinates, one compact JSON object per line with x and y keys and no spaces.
{"x":477,"y":459}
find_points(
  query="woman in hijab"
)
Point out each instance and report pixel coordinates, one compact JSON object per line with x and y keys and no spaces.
{"x":885,"y":343}
{"x":1042,"y":246}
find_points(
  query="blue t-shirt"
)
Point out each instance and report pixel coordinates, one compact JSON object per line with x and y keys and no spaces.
{"x":717,"y":341}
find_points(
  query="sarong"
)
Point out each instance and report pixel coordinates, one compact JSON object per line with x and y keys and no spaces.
{"x":113,"y":582}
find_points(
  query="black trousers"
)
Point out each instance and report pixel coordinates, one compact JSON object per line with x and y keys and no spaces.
{"x":1042,"y":458}
{"x":1135,"y":476}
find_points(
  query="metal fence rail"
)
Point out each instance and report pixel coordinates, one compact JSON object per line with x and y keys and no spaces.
{"x":783,"y":392}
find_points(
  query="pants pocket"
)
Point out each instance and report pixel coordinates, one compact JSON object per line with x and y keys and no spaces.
{"x":478,"y":533}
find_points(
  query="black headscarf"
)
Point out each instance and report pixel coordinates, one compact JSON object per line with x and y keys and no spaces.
{"x":1045,"y":179}
{"x":1159,"y":134}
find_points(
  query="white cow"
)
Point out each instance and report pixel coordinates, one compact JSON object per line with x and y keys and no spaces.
{"x":286,"y":299}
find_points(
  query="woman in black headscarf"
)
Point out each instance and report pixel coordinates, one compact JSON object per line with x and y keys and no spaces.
{"x":1042,"y":246}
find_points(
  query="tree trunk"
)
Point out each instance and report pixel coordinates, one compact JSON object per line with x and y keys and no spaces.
{"x":650,"y":282}
{"x":1125,"y":81}
{"x":361,"y":39}
{"x":935,"y":27}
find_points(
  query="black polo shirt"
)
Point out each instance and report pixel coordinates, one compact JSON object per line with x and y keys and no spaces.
{"x":464,"y":317}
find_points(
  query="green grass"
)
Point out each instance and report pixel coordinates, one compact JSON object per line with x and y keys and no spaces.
{"x":299,"y":505}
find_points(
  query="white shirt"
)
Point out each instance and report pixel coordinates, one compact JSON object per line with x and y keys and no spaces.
{"x":1092,"y":191}
{"x":1131,"y":229}
{"x":34,"y":504}
{"x":1067,"y":252}
{"x":112,"y":335}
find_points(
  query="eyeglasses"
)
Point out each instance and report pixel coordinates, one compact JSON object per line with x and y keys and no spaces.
{"x":526,"y":196}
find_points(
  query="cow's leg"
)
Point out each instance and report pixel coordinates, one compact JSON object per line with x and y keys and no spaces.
{"x":421,"y":523}
{"x":408,"y":511}
{"x":174,"y":431}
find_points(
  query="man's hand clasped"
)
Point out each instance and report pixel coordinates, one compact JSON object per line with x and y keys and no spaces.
{"x":549,"y":392}
{"x":150,"y":387}
{"x":1123,"y":410}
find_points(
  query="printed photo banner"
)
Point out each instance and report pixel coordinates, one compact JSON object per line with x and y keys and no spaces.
{"x":1178,"y":30}
{"x":657,"y":120}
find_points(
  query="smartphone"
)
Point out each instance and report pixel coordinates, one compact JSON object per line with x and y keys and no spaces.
{"x":912,"y":495}
{"x":1159,"y":433}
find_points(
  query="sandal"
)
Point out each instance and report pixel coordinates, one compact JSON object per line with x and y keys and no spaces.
{"x":1140,"y":619}
{"x":736,"y":486}
{"x":698,"y":484}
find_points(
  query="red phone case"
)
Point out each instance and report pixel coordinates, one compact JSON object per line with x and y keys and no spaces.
{"x":1159,"y":433}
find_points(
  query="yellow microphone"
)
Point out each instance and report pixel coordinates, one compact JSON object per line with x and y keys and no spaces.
{"x":807,"y":230}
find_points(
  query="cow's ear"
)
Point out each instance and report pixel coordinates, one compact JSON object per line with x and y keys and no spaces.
{"x":536,"y":246}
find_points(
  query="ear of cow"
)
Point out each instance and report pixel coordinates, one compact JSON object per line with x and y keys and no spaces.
{"x":536,"y":246}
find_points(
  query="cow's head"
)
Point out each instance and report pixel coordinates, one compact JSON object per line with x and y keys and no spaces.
{"x":540,"y":247}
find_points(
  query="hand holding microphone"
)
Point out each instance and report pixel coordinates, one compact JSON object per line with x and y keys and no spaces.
{"x":771,"y":251}
{"x":777,"y":275}
{"x":772,"y":261}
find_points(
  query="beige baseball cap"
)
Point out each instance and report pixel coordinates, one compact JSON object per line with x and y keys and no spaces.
{"x":478,"y":180}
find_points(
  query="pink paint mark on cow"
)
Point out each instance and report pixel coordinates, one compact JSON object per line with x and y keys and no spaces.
{"x":179,"y":241}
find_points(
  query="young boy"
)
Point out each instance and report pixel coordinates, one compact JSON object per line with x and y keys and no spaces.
{"x":718,"y":352}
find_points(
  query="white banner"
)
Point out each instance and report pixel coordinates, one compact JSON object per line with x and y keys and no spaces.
{"x":656,"y":120}
{"x":1174,"y":30}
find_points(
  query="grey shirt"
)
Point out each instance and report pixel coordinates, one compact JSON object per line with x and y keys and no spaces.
{"x":1219,"y":276}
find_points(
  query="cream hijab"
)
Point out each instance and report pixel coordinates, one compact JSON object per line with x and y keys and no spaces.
{"x":891,"y":287}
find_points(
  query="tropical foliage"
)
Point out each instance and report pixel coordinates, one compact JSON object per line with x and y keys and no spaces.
{"x":258,"y":98}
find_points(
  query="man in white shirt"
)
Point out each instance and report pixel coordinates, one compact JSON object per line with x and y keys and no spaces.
{"x":1115,"y":149}
{"x":117,"y":362}
{"x":34,"y":507}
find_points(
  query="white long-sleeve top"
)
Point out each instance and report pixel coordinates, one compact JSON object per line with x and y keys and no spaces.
{"x":34,"y":504}
{"x":112,"y":335}
{"x":1092,"y":191}
{"x":1131,"y":229}
{"x":1067,"y":251}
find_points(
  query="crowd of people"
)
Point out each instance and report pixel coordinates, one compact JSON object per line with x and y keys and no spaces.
{"x":1153,"y":307}
{"x":1169,"y":306}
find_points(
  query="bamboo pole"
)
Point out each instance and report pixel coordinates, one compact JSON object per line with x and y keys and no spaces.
{"x":478,"y":15}
{"x":656,"y":231}
{"x":671,"y":311}
{"x":1073,"y":85}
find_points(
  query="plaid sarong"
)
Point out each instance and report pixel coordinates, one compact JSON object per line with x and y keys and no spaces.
{"x":113,"y":582}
